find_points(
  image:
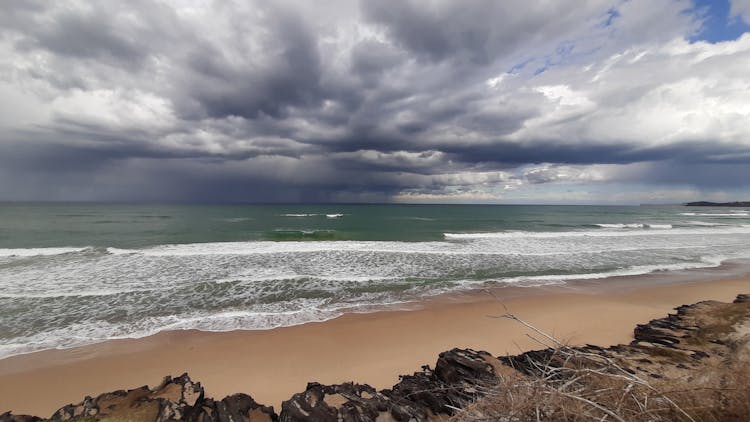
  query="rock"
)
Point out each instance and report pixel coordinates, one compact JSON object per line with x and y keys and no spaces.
{"x":419,"y":397}
{"x":456,"y":381}
{"x":235,"y":408}
{"x":8,"y":417}
{"x":174,"y":399}
{"x":347,"y":402}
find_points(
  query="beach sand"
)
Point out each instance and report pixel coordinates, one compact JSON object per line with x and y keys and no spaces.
{"x":372,"y":348}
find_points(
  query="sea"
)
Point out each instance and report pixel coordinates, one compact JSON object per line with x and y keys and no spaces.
{"x":76,"y":274}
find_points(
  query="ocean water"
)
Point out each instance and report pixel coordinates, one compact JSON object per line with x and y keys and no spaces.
{"x":82,"y":273}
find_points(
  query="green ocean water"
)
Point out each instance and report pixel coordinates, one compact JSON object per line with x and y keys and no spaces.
{"x":73,"y":274}
{"x":123,"y":225}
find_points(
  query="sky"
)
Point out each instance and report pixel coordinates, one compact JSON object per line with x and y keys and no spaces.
{"x":428,"y":101}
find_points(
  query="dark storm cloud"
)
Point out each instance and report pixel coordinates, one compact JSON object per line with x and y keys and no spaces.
{"x":120,"y":35}
{"x":614,"y":153}
{"x":289,"y":101}
{"x":288,"y":75}
{"x":475,"y":31}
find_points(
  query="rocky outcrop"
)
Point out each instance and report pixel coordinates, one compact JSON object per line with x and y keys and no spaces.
{"x":698,"y":335}
{"x":235,"y":408}
{"x":176,"y":399}
{"x":456,"y":381}
{"x":718,"y":204}
{"x":8,"y":417}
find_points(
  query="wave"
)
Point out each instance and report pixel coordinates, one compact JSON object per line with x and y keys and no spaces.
{"x":634,"y":226}
{"x":292,"y":312}
{"x":704,"y":224}
{"x":291,"y":235}
{"x":310,"y":241}
{"x":92,"y":332}
{"x":335,"y":215}
{"x":26,"y":252}
{"x":708,"y":214}
{"x":706,"y":262}
{"x":659,"y":226}
{"x":236,"y":220}
{"x":588,"y":233}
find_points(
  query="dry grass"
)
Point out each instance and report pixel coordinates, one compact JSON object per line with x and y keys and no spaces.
{"x":562,"y":383}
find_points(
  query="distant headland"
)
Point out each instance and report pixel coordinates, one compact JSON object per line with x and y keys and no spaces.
{"x":718,"y":204}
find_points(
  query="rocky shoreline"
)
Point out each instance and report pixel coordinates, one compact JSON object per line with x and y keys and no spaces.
{"x":697,"y":337}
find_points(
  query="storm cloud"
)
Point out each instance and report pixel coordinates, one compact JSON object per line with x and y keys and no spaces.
{"x":479,"y":101}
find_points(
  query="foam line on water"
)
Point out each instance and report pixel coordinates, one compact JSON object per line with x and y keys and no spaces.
{"x":717,"y":214}
{"x":633,"y":226}
{"x":602,"y":233}
{"x":26,"y":252}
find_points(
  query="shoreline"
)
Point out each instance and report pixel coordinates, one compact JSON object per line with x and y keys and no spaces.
{"x":372,"y":348}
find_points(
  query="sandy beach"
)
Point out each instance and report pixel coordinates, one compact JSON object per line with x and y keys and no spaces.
{"x":371,"y":348}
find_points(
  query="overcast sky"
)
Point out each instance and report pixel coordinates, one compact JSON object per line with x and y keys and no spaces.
{"x":514,"y":101}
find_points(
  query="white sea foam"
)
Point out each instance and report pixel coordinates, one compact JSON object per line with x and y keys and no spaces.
{"x":237,"y":220}
{"x":634,"y":226}
{"x":78,"y":293}
{"x":659,"y":226}
{"x":588,"y":233}
{"x":706,"y":262}
{"x":312,"y":215}
{"x":25,"y":252}
{"x":516,"y":242}
{"x":705,"y":224}
{"x":708,"y":214}
{"x":118,"y":251}
{"x":274,"y":316}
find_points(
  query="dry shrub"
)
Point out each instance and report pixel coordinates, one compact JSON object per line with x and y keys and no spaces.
{"x":563,"y":383}
{"x":713,"y":394}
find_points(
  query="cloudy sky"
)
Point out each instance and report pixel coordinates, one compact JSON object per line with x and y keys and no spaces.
{"x":514,"y":101}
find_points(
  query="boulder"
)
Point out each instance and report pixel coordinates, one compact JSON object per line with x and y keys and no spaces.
{"x":456,"y":381}
{"x":235,"y":408}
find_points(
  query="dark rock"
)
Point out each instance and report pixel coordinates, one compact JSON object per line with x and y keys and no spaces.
{"x":454,"y":383}
{"x":699,"y":354}
{"x":174,"y":399}
{"x":8,"y":417}
{"x":651,"y":334}
{"x":344,"y":402}
{"x":465,"y":366}
{"x":458,"y":379}
{"x":532,"y":362}
{"x":235,"y":408}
